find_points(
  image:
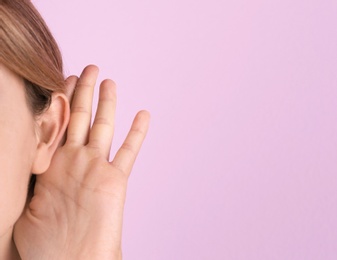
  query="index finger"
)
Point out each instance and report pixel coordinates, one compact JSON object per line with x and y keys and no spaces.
{"x":80,"y":113}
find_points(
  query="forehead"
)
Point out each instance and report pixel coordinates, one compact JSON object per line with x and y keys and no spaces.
{"x":12,"y":90}
{"x":7,"y":76}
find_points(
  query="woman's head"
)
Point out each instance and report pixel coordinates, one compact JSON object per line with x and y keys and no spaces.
{"x":34,"y":109}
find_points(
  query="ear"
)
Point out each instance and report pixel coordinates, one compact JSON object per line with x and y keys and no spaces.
{"x":51,"y":126}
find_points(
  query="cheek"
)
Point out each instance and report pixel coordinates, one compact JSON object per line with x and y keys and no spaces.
{"x":16,"y":156}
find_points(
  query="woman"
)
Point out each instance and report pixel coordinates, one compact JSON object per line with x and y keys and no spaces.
{"x":75,"y":207}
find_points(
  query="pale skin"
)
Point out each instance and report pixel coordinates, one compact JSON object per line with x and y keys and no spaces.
{"x":77,"y":208}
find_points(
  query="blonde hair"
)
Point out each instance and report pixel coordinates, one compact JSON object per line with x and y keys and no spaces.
{"x":28,"y":48}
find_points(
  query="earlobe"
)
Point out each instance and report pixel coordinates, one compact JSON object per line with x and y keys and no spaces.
{"x":41,"y":160}
{"x":51,"y":125}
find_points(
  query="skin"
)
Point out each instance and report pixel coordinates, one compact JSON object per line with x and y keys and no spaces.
{"x":17,"y":138}
{"x":77,"y":208}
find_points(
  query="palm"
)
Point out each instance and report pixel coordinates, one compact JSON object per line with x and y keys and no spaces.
{"x":77,"y":207}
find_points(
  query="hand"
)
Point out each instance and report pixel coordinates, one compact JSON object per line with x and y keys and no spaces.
{"x":76,"y":211}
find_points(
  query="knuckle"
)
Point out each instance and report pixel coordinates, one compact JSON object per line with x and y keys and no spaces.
{"x":120,"y":170}
{"x":79,"y":109}
{"x":103,"y":121}
{"x":138,"y":131}
{"x":129,"y":149}
{"x":81,"y":84}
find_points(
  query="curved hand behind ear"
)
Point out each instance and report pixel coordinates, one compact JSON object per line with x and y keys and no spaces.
{"x":77,"y":208}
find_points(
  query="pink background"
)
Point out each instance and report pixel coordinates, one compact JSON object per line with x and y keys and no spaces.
{"x":241,"y":158}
